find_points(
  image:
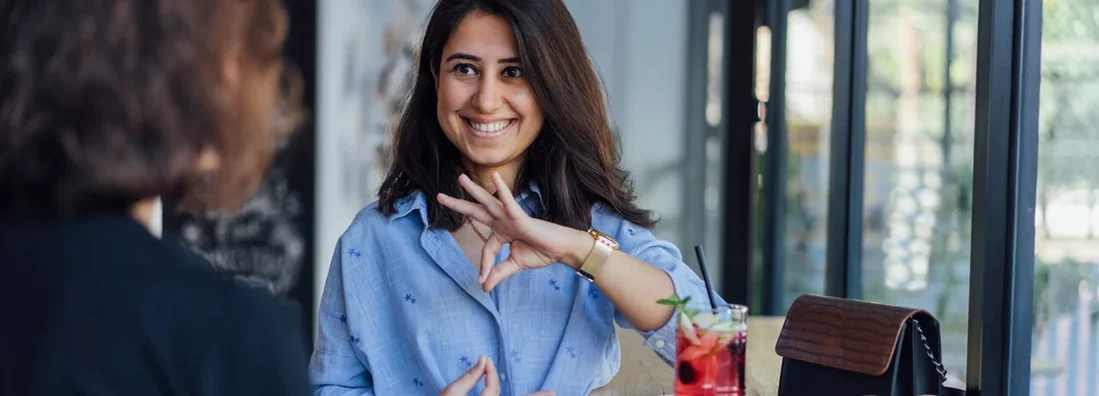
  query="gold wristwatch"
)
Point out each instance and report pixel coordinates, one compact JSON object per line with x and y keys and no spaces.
{"x":600,"y":251}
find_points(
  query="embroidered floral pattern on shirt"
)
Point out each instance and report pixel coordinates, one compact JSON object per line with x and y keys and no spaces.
{"x":367,"y":287}
{"x":592,"y":293}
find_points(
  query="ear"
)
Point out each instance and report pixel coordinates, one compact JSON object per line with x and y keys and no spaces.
{"x":208,"y":160}
{"x":230,"y":75}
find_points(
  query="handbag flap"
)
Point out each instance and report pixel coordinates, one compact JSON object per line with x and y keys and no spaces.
{"x":843,"y":334}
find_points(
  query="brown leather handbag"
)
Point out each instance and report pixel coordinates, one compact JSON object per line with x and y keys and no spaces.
{"x":835,"y":346}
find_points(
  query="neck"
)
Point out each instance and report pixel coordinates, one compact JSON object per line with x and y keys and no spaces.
{"x":145,"y":212}
{"x":483,"y":174}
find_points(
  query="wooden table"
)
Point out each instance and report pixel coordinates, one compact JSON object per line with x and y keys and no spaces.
{"x":764,"y":365}
{"x":643,"y":373}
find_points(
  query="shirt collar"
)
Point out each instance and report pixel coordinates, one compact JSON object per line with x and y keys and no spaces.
{"x":417,"y":201}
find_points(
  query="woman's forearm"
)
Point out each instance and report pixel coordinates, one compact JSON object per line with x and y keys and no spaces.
{"x":632,"y":285}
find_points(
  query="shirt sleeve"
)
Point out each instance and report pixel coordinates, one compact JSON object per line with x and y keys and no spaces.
{"x":640,"y":242}
{"x":335,"y":369}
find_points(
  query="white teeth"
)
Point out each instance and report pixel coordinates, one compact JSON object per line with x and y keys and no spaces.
{"x":490,"y":127}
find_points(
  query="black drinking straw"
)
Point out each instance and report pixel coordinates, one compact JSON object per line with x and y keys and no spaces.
{"x":705,"y":275}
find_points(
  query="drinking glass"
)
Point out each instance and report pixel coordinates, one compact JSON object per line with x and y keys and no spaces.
{"x":710,"y":352}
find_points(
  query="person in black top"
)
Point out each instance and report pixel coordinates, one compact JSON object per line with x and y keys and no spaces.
{"x":106,"y":105}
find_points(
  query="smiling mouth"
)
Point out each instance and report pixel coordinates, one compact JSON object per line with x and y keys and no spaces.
{"x":489,"y":129}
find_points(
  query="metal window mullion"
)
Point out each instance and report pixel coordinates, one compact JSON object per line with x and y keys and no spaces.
{"x":847,"y":156}
{"x":1004,"y":184}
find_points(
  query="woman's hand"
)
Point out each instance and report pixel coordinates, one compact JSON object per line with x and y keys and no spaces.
{"x":483,"y":369}
{"x":464,"y":384}
{"x":534,"y":243}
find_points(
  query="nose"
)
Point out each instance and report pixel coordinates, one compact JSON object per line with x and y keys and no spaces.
{"x":488,"y":98}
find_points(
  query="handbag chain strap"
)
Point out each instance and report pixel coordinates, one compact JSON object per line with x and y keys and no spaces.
{"x":938,"y":365}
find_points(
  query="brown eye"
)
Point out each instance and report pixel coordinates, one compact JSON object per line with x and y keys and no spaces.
{"x":513,"y":72}
{"x":464,"y":68}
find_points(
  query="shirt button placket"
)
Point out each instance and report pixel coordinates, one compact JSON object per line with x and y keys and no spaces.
{"x":504,"y":364}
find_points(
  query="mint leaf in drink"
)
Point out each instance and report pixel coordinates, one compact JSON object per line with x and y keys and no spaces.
{"x":680,"y":304}
{"x":673,"y":301}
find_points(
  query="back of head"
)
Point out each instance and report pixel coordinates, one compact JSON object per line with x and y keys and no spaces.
{"x":109,"y":102}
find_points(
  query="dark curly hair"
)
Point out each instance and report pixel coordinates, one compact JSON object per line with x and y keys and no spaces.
{"x":104,"y":103}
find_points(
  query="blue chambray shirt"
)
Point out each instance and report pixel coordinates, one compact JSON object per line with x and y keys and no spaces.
{"x":403,"y":314}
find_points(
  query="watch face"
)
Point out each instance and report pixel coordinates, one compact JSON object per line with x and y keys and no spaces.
{"x":603,"y":239}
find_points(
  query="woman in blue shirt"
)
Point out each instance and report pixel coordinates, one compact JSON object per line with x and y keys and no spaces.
{"x":504,"y":229}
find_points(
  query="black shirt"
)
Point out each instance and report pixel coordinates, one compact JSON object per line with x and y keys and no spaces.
{"x":99,"y":306}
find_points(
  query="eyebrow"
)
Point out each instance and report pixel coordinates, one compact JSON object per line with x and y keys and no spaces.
{"x":465,"y":56}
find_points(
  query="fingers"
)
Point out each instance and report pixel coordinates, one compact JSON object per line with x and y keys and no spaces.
{"x":471,"y":209}
{"x":488,"y":256}
{"x":491,"y":204}
{"x":505,"y":196}
{"x":504,"y":206}
{"x":543,"y":393}
{"x":464,"y":384}
{"x":500,"y":272}
{"x":492,"y":379}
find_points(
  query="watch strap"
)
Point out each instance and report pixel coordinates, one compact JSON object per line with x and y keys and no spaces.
{"x":601,"y":250}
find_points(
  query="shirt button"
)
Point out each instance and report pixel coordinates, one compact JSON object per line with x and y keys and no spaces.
{"x":660,"y":343}
{"x":504,"y":377}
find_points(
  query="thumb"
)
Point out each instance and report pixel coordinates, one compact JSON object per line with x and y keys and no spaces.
{"x":464,"y":384}
{"x":500,"y":272}
{"x":492,"y":379}
{"x":488,"y":256}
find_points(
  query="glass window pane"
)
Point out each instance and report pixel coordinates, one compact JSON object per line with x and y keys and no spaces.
{"x":919,"y":157}
{"x":648,"y":117}
{"x":1065,"y":357}
{"x":809,"y":69}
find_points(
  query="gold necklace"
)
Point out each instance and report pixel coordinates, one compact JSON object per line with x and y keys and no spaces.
{"x":478,"y":231}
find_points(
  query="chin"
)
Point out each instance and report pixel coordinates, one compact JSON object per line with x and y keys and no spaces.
{"x":489,"y":158}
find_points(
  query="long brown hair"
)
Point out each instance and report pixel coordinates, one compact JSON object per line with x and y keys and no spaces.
{"x":573,"y":160}
{"x":108,"y":102}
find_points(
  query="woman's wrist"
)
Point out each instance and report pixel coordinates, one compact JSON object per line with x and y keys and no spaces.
{"x":576,"y":247}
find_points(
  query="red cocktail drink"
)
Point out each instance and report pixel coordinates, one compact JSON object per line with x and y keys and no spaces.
{"x":710,"y":352}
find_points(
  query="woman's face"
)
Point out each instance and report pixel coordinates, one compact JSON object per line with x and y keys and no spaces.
{"x":486,"y":107}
